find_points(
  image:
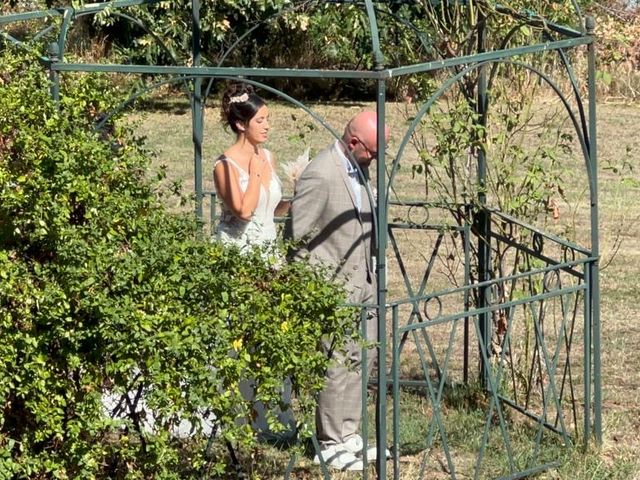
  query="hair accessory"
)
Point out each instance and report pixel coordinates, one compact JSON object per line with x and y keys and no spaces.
{"x":239,"y":98}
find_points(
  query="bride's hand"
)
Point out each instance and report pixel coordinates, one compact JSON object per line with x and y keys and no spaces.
{"x":257,"y":165}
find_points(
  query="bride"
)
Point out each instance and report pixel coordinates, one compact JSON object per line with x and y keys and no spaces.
{"x":251,"y":193}
{"x":246,"y":181}
{"x":245,"y":175}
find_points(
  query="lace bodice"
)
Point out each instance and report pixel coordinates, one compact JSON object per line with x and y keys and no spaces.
{"x":260,"y":229}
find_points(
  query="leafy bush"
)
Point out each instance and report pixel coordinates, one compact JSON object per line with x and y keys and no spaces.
{"x":104,"y":295}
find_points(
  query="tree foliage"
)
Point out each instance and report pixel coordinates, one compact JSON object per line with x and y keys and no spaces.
{"x":308,"y":34}
{"x":104,"y":295}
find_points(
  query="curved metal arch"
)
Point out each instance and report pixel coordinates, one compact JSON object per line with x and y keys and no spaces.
{"x":141,"y":24}
{"x":334,"y":133}
{"x":530,"y":14}
{"x":25,"y":45}
{"x":503,"y":46}
{"x":121,"y":106}
{"x":370,"y":12}
{"x":422,"y":36}
{"x":68,"y":15}
{"x":284,"y":96}
{"x":42,"y":32}
{"x":547,"y":37}
{"x":581,"y":132}
{"x":567,"y":66}
{"x":45,"y":61}
{"x":256,"y":83}
{"x":156,"y":85}
{"x":241,"y":38}
{"x":63,"y":34}
{"x":580,"y":15}
{"x":277,"y":15}
{"x":419,"y":33}
{"x":576,"y":90}
{"x":582,"y":135}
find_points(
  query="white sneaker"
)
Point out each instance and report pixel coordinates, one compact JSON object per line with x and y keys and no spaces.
{"x":355,"y":445}
{"x":336,"y":456}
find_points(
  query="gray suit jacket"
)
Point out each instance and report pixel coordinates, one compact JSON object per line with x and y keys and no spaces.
{"x":324,"y":219}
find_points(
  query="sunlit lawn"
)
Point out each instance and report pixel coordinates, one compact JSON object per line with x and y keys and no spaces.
{"x":168,"y":131}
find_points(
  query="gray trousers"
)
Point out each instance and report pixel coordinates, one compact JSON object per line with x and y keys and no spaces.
{"x":339,"y":409}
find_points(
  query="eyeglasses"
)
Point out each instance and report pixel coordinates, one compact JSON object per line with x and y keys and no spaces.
{"x":371,"y":153}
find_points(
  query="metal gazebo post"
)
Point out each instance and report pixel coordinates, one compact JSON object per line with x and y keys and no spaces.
{"x":54,"y":77}
{"x":196,"y":109}
{"x":483,"y":223}
{"x":381,"y":241}
{"x":595,"y":242}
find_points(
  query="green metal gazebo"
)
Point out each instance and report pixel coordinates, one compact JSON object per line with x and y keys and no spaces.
{"x":514,"y":322}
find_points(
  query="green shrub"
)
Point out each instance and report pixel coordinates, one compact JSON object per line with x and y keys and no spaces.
{"x":103,"y":294}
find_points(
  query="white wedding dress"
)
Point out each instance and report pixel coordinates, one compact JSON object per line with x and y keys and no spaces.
{"x":260,"y":229}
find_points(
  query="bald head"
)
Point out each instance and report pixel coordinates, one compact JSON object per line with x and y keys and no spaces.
{"x":360,"y":137}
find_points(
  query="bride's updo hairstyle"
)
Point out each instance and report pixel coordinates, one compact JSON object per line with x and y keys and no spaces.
{"x":239,"y":105}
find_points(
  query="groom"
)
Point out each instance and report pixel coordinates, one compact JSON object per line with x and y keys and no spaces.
{"x":331,"y":219}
